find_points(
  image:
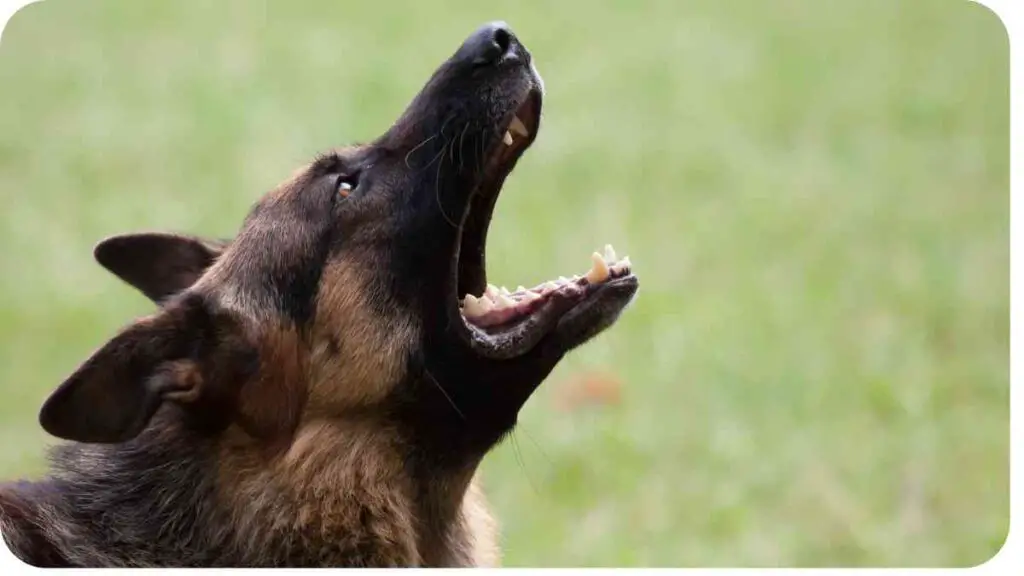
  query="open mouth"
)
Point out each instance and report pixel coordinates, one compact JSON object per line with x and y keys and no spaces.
{"x":498,"y":308}
{"x":501,"y":323}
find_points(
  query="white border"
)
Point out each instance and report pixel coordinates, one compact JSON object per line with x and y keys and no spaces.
{"x":1009,"y":11}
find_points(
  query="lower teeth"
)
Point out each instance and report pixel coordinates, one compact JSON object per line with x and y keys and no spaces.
{"x":495,"y":301}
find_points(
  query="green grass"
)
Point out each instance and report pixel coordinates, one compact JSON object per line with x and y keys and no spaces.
{"x":814,"y":193}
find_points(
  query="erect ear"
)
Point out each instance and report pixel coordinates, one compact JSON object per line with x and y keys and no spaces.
{"x":187,"y":353}
{"x":158,"y":264}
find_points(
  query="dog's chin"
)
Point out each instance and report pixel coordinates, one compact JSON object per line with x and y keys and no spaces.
{"x":596,"y":312}
{"x":499,"y":323}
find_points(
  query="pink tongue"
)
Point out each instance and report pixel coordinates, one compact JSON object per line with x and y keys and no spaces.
{"x":495,"y":317}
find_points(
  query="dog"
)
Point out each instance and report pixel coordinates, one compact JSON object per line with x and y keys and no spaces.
{"x":320,"y":389}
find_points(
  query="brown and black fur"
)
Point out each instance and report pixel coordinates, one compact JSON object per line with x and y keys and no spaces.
{"x":300,"y":397}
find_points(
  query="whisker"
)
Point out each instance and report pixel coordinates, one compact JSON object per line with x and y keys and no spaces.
{"x":535,"y":443}
{"x":462,"y":148}
{"x":415,"y":148}
{"x":451,"y":152}
{"x":522,"y":463}
{"x":439,"y":133}
{"x":481,"y":158}
{"x":436,"y":157}
{"x":437,"y":188}
{"x":445,"y":394}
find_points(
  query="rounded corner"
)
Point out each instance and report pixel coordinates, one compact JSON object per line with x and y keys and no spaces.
{"x":1000,"y":20}
{"x":14,"y":14}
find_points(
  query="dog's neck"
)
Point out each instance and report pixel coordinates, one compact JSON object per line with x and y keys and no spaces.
{"x":339,"y":494}
{"x":454,"y":526}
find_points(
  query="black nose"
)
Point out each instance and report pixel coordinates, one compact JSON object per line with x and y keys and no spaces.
{"x":489,"y":44}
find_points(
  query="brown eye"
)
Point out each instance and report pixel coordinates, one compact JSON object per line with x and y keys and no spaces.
{"x":345,"y":184}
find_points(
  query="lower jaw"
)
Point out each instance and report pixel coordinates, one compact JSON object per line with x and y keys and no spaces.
{"x":503,"y":324}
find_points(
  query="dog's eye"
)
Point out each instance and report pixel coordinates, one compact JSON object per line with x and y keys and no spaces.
{"x":345,"y":184}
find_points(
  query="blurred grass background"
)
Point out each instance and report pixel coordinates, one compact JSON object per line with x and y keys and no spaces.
{"x":815,"y":194}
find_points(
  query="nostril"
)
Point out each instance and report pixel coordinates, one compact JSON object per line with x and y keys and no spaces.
{"x":489,"y":45}
{"x":502,"y":39}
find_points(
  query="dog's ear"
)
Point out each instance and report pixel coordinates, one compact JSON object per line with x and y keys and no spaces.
{"x":158,"y":264}
{"x":188,"y":353}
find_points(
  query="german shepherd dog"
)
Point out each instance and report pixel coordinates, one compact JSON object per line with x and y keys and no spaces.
{"x":321,"y":389}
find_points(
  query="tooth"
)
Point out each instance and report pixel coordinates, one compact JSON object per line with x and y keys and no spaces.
{"x":505,"y":301}
{"x":599,"y":271}
{"x":548,"y":286}
{"x":531,"y":296}
{"x":518,"y":127}
{"x":472,"y":307}
{"x":520,"y":288}
{"x":486,"y":305}
{"x":491,"y":292}
{"x":504,"y":291}
{"x":508,"y":138}
{"x":609,"y":253}
{"x":563,"y":280}
{"x":625,"y":263}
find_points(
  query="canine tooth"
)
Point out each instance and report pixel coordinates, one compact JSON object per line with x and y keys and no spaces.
{"x":473,"y":307}
{"x":518,"y":127}
{"x":508,"y":138}
{"x":609,"y":253}
{"x":599,"y":271}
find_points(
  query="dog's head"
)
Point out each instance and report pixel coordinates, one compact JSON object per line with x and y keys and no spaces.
{"x":358,"y":286}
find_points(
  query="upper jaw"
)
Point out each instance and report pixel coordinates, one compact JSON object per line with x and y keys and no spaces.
{"x":500,"y":110}
{"x":519,"y":125}
{"x":501,"y":324}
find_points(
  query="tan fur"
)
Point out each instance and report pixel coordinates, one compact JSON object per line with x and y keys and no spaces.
{"x":338,"y":486}
{"x":271,"y":404}
{"x":343,"y":477}
{"x":358,"y":355}
{"x":482,"y":527}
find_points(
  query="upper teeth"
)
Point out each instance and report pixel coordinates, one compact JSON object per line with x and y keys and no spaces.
{"x":518,"y":127}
